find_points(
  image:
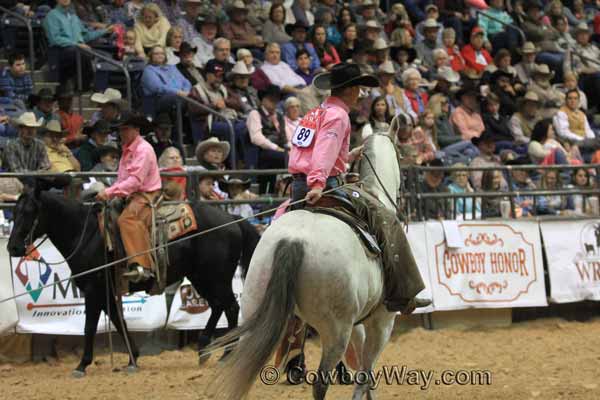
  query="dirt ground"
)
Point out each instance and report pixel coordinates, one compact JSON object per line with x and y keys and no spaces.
{"x":546,"y":359}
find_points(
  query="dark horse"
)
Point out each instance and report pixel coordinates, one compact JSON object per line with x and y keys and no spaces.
{"x":209,"y":261}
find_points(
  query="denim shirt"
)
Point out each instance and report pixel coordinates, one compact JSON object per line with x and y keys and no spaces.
{"x":160,"y":80}
{"x":64,"y":28}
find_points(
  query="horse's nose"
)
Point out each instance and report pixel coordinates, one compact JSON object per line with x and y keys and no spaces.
{"x":16,"y":250}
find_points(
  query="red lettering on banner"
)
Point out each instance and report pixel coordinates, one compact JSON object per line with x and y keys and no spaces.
{"x":588,"y":271}
{"x":509,"y":262}
{"x":463,"y":263}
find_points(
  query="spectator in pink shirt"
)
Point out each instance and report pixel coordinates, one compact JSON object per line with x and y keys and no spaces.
{"x":466,"y":118}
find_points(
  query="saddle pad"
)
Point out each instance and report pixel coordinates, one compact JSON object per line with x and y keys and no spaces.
{"x":180,"y":220}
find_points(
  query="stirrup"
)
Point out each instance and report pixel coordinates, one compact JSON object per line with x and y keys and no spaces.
{"x":138,"y":274}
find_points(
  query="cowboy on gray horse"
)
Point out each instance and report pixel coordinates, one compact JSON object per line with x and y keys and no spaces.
{"x":317,"y":160}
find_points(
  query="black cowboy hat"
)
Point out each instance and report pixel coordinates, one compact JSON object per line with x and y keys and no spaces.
{"x":272,"y":91}
{"x":206,"y":19}
{"x":412,"y":53}
{"x":344,"y":75}
{"x":233,"y":180}
{"x":499,"y":73}
{"x":130,"y":118}
{"x":486,"y":136}
{"x":101,"y":126}
{"x":467,"y":89}
{"x":45,"y":94}
{"x":519,"y":161}
{"x":163,"y":120}
{"x":289,"y":28}
{"x":185,"y":48}
{"x":103,"y":150}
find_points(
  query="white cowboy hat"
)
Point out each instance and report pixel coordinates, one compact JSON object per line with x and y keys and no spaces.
{"x":431,"y":23}
{"x":386,"y":67}
{"x":240,"y":68}
{"x":109,"y":96}
{"x":28,"y":119}
{"x":211,"y":142}
{"x":380,"y":44}
{"x":448,"y":74}
{"x":54,"y":126}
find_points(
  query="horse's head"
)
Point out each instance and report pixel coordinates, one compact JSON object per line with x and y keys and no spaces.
{"x":28,"y":222}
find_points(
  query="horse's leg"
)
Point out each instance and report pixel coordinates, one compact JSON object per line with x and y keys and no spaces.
{"x":232,"y":312}
{"x":204,"y":339}
{"x":334,"y":341}
{"x":378,"y":330}
{"x":122,"y":330}
{"x":93,"y":307}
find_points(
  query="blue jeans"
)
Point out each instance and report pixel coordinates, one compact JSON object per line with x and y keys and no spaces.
{"x":300,"y":189}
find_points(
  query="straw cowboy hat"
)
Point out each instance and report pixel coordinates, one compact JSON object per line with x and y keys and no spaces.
{"x":371,"y":24}
{"x":431,"y":23}
{"x":531,"y":96}
{"x":237,"y":5}
{"x":544,"y":70}
{"x":54,"y":126}
{"x":110,"y":95}
{"x":204,"y":145}
{"x":582,"y":27}
{"x":344,"y":75}
{"x":528,"y":48}
{"x":28,"y":119}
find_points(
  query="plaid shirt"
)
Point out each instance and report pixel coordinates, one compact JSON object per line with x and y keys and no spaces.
{"x":17,"y":88}
{"x":19,"y":157}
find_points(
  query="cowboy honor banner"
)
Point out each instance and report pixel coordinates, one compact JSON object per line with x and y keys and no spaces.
{"x":59,"y":309}
{"x":8,"y":309}
{"x":573,"y":256}
{"x":498,"y":265}
{"x":190,"y":311}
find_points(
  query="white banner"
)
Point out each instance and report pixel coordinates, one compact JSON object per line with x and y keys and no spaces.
{"x":59,"y":309}
{"x":573,"y":256}
{"x":418,"y":245}
{"x":190,"y":311}
{"x":499,"y":265}
{"x":8,"y":309}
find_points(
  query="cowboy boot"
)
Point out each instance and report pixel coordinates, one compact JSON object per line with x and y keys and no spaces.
{"x":406,"y":306}
{"x":137,"y":274}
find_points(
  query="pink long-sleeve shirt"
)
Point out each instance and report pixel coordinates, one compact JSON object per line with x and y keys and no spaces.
{"x":328,"y":153}
{"x":138,"y":170}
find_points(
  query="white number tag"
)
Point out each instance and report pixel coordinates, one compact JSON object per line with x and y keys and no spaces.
{"x":303,"y":136}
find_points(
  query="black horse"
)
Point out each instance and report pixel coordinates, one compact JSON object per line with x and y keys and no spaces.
{"x":209,"y":261}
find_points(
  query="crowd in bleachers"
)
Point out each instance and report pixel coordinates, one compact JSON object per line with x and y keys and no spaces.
{"x":462,"y":83}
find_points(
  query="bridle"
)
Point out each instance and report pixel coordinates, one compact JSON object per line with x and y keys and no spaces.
{"x":29,"y":239}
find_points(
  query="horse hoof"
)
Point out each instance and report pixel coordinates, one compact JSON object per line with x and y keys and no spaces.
{"x":132,"y":369}
{"x":78,"y":374}
{"x":203,"y":358}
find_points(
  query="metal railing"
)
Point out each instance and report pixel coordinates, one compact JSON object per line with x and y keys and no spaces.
{"x":92,"y":53}
{"x":515,"y":27}
{"x":195,"y":103}
{"x":27,"y":22}
{"x":415,"y":201}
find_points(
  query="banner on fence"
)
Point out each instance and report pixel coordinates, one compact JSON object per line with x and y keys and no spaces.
{"x":418,"y":245}
{"x":573,"y":256}
{"x":59,"y":309}
{"x":190,"y":311}
{"x":8,"y":309}
{"x":499,"y":265}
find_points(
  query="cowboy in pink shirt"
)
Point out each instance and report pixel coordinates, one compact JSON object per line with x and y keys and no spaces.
{"x":321,"y":142}
{"x":139,"y":182}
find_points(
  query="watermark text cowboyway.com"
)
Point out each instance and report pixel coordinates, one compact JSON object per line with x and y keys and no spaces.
{"x":386,"y":375}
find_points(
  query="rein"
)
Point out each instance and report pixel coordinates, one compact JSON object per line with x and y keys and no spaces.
{"x":45,"y":237}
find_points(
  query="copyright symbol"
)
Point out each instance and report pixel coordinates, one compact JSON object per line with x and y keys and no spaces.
{"x":269,"y":375}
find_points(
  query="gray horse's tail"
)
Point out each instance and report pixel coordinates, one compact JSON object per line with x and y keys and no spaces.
{"x":261,"y":332}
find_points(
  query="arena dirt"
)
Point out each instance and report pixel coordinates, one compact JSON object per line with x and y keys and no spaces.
{"x":548,"y":359}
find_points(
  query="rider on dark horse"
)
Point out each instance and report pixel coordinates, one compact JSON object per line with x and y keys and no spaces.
{"x":320,"y":151}
{"x":138,"y":182}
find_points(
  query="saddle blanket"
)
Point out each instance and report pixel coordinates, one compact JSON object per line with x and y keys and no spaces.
{"x":180,"y":220}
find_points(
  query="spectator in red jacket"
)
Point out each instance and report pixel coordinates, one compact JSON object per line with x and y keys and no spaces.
{"x":475,"y":55}
{"x":457,"y":63}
